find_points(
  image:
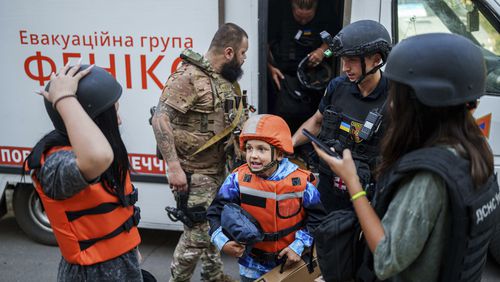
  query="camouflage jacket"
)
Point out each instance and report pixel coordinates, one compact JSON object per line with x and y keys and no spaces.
{"x":207,"y":104}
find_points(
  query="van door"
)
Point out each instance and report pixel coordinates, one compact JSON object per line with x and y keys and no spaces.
{"x":276,"y":16}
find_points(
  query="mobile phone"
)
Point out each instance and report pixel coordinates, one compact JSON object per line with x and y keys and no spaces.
{"x":320,"y":143}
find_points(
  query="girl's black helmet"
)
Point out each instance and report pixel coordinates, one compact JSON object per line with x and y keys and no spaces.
{"x":442,"y":69}
{"x":97,"y":92}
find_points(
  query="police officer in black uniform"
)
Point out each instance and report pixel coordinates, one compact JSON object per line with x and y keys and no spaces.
{"x":349,"y":99}
{"x":294,"y":34}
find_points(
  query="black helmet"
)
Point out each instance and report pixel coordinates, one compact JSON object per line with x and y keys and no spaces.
{"x":97,"y":92}
{"x":314,"y":77}
{"x":442,"y":69}
{"x":362,"y":38}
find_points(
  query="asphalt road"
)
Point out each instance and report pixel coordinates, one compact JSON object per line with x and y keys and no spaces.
{"x":24,"y":260}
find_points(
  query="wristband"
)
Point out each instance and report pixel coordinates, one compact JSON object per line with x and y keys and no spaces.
{"x":358,"y":195}
{"x":54,"y":104}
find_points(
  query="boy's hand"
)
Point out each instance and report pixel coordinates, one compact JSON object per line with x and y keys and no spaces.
{"x":292,"y":257}
{"x":233,"y":249}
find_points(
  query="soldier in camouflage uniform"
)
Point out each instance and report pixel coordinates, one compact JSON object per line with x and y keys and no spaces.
{"x":199,"y":110}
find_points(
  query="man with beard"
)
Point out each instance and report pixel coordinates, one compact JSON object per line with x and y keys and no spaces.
{"x":200,"y":103}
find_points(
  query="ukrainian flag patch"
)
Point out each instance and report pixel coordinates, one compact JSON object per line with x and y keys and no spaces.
{"x":345,"y":127}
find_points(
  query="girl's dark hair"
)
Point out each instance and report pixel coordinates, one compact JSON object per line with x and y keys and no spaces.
{"x":413,"y":125}
{"x":113,"y":179}
{"x":52,"y":139}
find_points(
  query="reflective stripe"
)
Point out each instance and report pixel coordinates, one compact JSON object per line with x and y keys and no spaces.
{"x":270,"y":195}
{"x":258,"y":193}
{"x":289,"y":196}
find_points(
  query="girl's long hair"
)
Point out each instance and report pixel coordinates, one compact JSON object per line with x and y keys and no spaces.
{"x":413,"y":125}
{"x":114,"y":178}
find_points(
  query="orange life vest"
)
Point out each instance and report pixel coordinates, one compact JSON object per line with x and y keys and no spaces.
{"x":276,"y":205}
{"x":92,"y":226}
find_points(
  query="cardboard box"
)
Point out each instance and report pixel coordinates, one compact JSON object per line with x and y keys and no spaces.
{"x":294,"y":273}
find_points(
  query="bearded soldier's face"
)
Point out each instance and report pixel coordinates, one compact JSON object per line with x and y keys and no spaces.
{"x":232,"y":70}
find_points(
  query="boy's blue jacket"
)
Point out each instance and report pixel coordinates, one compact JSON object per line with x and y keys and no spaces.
{"x":230,"y":193}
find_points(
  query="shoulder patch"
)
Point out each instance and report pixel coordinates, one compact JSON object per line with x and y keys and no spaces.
{"x":247,"y":178}
{"x":296,"y":181}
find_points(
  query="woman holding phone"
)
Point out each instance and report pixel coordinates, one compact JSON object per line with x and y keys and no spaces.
{"x":427,"y":222}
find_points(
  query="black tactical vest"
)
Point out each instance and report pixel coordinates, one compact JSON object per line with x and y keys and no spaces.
{"x":294,"y":45}
{"x":474,"y":211}
{"x":344,"y":118}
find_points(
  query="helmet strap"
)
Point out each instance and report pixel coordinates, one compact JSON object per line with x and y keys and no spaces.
{"x":365,"y":74}
{"x":269,"y":165}
{"x":363,"y":70}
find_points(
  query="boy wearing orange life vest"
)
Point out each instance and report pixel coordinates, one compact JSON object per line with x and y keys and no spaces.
{"x":279,"y":195}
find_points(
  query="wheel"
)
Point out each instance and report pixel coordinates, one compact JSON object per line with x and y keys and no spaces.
{"x":30,"y":215}
{"x":495,"y":244}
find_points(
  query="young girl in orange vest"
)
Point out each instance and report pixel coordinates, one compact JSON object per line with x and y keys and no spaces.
{"x":81,"y":173}
{"x":279,"y":195}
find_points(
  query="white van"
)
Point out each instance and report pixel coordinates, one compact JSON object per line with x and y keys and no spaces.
{"x":139,"y":42}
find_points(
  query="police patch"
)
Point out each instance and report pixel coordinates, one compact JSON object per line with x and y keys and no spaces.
{"x":355,"y":129}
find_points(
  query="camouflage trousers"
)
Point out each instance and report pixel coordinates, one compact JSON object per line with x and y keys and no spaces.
{"x":194,"y":243}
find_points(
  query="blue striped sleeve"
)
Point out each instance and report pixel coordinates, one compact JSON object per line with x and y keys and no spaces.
{"x":219,"y":239}
{"x":311,"y":196}
{"x":302,"y":239}
{"x":229,"y":190}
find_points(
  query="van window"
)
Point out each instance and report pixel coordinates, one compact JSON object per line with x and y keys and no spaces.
{"x":461,"y":17}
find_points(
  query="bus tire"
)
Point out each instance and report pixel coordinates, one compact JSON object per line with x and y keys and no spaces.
{"x":495,"y":244}
{"x":30,"y":215}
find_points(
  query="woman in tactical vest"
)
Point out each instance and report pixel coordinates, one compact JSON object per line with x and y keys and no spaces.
{"x":436,"y":174}
{"x":81,"y":173}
